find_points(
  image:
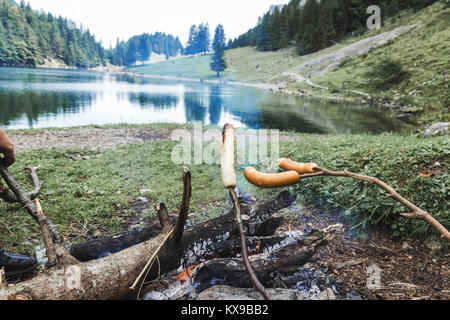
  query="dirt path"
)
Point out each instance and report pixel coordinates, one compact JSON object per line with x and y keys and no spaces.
{"x":95,"y":138}
{"x":85,"y":138}
{"x":326,"y":63}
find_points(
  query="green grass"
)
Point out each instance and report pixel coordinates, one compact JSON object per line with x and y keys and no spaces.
{"x":189,"y":67}
{"x":424,"y":53}
{"x":93,"y":196}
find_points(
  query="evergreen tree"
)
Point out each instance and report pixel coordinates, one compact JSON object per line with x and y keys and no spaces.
{"x":218,"y":63}
{"x":203,"y":38}
{"x":191,"y":47}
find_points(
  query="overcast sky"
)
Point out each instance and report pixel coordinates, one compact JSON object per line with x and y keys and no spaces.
{"x":109,"y":19}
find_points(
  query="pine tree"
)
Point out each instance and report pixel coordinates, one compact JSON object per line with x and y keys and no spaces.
{"x":191,"y":47}
{"x":218,"y":63}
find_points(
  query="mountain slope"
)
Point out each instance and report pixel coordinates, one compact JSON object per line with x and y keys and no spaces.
{"x":30,"y":38}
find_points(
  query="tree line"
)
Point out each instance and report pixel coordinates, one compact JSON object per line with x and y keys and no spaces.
{"x":199,"y":39}
{"x":28,"y":37}
{"x":313,"y":25}
{"x":140,"y":48}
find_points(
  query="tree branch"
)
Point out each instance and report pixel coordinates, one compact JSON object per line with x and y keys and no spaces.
{"x":27,"y":202}
{"x":416,"y":212}
{"x":184,"y":209}
{"x":9,"y":196}
{"x":248,"y":267}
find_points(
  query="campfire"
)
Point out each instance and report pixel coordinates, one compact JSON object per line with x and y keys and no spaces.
{"x":241,"y":254}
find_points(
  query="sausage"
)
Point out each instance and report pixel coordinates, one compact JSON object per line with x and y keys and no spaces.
{"x":301,"y":168}
{"x":228,"y":174}
{"x":277,"y":180}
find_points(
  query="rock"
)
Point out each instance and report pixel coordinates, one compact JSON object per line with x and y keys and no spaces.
{"x":433,"y":244}
{"x":326,"y":295}
{"x":440,"y":128}
{"x":230,"y":293}
{"x":405,"y":116}
{"x":144,"y":191}
{"x":406,"y":246}
{"x":154,"y":296}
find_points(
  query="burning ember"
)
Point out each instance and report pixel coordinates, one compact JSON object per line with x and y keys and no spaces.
{"x":186,"y":274}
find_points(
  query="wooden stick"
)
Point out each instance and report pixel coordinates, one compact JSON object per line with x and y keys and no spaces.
{"x":150,"y":261}
{"x":27,"y":203}
{"x":248,"y":267}
{"x":163,"y":216}
{"x":416,"y":212}
{"x":9,"y":196}
{"x":185,"y":204}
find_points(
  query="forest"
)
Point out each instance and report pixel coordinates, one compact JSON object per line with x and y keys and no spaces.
{"x":140,"y":48}
{"x":314,"y":25}
{"x":29,"y":38}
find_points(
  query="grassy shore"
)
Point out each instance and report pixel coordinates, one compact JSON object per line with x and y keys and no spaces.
{"x":90,"y":193}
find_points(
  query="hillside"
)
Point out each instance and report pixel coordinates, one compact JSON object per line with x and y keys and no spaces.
{"x":30,"y":38}
{"x":418,"y":42}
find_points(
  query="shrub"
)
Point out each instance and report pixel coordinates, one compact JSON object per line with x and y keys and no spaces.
{"x":387,"y":74}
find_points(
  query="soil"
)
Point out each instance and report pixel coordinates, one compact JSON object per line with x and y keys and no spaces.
{"x":409,"y":270}
{"x":91,"y":138}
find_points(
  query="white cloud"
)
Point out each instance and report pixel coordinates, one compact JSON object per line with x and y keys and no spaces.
{"x":109,"y":19}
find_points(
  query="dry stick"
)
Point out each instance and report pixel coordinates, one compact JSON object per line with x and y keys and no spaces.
{"x":174,"y":234}
{"x":185,"y":204}
{"x":249,"y":268}
{"x":9,"y":196}
{"x":416,"y":212}
{"x":163,"y":216}
{"x":150,"y":261}
{"x":27,"y":203}
{"x":49,"y":245}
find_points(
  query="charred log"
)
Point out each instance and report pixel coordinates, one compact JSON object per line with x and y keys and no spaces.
{"x":286,"y":260}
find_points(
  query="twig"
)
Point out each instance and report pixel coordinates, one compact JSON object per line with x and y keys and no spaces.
{"x":9,"y":196}
{"x":163,"y":216}
{"x":49,"y":245}
{"x":3,"y":283}
{"x":184,"y":209}
{"x":150,"y":261}
{"x":249,"y":268}
{"x":416,"y":212}
{"x":27,"y":202}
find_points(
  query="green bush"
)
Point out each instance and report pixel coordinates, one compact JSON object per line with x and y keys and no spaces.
{"x":387,"y":74}
{"x":395,"y":160}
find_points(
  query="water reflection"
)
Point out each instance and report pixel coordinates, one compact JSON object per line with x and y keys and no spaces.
{"x":56,"y":98}
{"x":157,"y":101}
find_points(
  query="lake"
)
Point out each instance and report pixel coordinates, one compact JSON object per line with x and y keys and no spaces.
{"x":40,"y":98}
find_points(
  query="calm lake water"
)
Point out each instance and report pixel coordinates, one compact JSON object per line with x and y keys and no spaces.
{"x":38,"y":98}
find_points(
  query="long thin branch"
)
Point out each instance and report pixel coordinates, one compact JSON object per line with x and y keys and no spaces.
{"x":248,"y":267}
{"x":185,"y":204}
{"x":416,"y":212}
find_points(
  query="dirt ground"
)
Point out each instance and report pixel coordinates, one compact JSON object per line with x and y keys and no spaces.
{"x":409,"y":270}
{"x":92,"y":138}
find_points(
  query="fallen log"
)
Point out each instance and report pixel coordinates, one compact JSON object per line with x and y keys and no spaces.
{"x":110,"y":277}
